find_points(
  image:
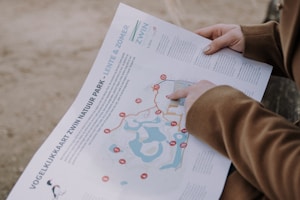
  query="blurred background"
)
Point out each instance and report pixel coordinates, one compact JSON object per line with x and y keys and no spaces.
{"x":47,"y":48}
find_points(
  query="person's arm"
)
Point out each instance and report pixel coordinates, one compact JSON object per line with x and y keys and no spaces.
{"x":262,"y":43}
{"x":264,"y":147}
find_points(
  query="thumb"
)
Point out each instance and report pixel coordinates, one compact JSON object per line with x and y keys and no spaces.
{"x":218,"y":44}
{"x":227,"y":40}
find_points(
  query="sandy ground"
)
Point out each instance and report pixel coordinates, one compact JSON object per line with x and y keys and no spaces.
{"x":47,"y":48}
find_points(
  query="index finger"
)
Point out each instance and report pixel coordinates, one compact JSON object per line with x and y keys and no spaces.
{"x":181,"y":93}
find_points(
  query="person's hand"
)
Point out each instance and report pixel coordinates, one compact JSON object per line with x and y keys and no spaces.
{"x":191,"y":93}
{"x":223,"y":35}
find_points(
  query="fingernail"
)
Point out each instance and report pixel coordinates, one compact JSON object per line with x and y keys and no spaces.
{"x":206,"y":49}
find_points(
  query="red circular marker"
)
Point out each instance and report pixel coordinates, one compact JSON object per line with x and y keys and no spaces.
{"x":138,"y":100}
{"x":183,"y":145}
{"x":172,"y":143}
{"x":158,"y":112}
{"x":156,"y":87}
{"x":107,"y":130}
{"x":163,"y":77}
{"x":173,"y":123}
{"x":117,"y":149}
{"x":183,"y":130}
{"x":122,"y":114}
{"x":105,"y":178}
{"x":122,"y":161}
{"x":144,"y":175}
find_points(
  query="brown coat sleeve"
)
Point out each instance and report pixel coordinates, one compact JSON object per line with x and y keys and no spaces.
{"x":264,"y":147}
{"x":277,"y":44}
{"x":262,"y":43}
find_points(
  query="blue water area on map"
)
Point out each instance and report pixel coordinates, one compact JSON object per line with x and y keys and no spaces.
{"x":156,"y":137}
{"x":136,"y":146}
{"x":140,"y":124}
{"x":123,"y":183}
{"x":181,"y":101}
{"x":179,"y":138}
